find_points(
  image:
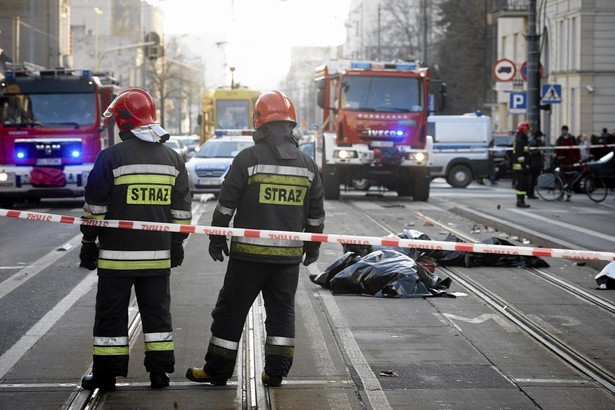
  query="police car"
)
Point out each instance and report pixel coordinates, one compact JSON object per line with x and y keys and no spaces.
{"x":208,"y":168}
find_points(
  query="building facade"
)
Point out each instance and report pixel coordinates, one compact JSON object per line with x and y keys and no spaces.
{"x":577,"y":54}
{"x":36,"y":31}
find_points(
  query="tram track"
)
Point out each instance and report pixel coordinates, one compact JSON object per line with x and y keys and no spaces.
{"x":545,"y":337}
{"x":251,"y":393}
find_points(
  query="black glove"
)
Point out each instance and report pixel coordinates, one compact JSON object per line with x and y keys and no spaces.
{"x":217,"y":246}
{"x":177,"y":254}
{"x":310,"y":257}
{"x":88,"y":256}
{"x":311,"y":252}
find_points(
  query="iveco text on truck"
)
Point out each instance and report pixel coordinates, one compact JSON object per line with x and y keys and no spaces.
{"x":51,"y":131}
{"x":374,"y":127}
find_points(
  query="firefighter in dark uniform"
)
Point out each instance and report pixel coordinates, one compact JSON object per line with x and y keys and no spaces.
{"x":139,"y":179}
{"x":270,"y":186}
{"x":521,"y":162}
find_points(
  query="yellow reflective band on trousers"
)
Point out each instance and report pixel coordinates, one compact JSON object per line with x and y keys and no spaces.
{"x":158,"y":346}
{"x":89,"y":215}
{"x":286,"y":351}
{"x":282,"y":194}
{"x":265,"y":250}
{"x":145,"y":179}
{"x":279,"y":179}
{"x":134,"y":265}
{"x":110,"y":350}
{"x":148,"y":194}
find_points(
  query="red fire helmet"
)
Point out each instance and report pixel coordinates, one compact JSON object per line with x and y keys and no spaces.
{"x":273,"y":106}
{"x":523,"y":127}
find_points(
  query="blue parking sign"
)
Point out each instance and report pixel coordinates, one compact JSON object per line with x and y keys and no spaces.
{"x":517,"y":103}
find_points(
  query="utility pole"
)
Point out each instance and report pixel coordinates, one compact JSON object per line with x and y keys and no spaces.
{"x":424,"y":15}
{"x":379,"y":30}
{"x":533,"y":69}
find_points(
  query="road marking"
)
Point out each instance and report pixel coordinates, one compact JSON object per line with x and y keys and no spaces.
{"x":35,"y":268}
{"x":565,"y":225}
{"x":371,"y":385}
{"x":36,"y":332}
{"x":483,"y":318}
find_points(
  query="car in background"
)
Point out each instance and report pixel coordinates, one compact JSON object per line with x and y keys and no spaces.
{"x":192,"y":142}
{"x":178,"y":147}
{"x":208,"y":168}
{"x":503,"y":142}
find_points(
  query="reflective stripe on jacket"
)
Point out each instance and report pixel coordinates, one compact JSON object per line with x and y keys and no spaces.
{"x":266,"y":192}
{"x":139,"y":181}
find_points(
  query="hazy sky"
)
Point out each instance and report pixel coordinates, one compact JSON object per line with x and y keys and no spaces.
{"x":258,"y":34}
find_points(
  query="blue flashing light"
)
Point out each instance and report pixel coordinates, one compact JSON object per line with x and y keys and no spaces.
{"x":9,"y":74}
{"x":361,"y":65}
{"x":75,"y":154}
{"x":406,"y":66}
{"x":399,"y":133}
{"x":85,"y":73}
{"x":21,"y":155}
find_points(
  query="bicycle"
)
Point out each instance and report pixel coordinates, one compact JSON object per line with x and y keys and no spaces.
{"x":551,"y":185}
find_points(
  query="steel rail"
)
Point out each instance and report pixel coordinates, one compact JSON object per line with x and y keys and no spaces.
{"x":565,"y":352}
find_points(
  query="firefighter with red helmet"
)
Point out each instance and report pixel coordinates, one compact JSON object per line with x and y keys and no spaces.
{"x":521,"y":162}
{"x":272,"y":186}
{"x":139,"y":179}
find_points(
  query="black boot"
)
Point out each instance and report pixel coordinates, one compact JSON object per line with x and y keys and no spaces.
{"x":521,"y":202}
{"x":159,"y":380}
{"x":91,"y":382}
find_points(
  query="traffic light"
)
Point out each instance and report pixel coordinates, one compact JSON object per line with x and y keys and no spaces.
{"x":155,"y":50}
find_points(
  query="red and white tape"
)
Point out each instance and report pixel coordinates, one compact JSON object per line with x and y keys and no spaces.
{"x":328,"y":238}
{"x":509,"y":148}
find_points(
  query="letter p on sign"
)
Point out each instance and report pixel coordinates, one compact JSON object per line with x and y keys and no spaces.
{"x":517,"y":103}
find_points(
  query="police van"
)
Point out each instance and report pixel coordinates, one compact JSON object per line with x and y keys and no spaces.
{"x":460,"y":147}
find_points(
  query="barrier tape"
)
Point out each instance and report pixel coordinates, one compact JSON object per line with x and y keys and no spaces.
{"x":506,"y":148}
{"x":314,"y":237}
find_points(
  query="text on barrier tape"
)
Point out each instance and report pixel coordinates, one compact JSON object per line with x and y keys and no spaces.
{"x":316,"y":237}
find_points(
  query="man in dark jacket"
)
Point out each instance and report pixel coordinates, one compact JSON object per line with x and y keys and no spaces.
{"x":270,"y":186}
{"x":139,"y":179}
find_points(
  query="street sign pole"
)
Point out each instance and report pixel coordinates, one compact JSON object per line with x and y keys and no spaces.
{"x":533,"y":69}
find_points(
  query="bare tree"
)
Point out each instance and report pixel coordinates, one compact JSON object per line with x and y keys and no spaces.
{"x":462,"y":53}
{"x":174,"y":82}
{"x":398,"y":32}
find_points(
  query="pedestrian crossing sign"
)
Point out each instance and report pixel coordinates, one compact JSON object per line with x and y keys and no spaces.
{"x":551,"y":94}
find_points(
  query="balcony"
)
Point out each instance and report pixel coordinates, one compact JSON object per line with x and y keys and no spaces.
{"x":509,"y":8}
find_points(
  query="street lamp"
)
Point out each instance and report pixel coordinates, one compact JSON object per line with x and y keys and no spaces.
{"x":97,"y":34}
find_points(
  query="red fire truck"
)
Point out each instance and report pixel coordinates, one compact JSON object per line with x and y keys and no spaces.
{"x":374,"y":129}
{"x":51,"y":130}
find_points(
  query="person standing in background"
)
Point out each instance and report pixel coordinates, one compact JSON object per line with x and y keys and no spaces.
{"x":536,"y":162}
{"x":584,"y":147}
{"x":521,"y":162}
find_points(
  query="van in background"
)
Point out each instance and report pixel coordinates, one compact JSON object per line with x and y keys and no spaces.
{"x":460,"y":147}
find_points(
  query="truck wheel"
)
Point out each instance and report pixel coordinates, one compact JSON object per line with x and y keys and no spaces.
{"x":331,"y":182}
{"x":404,"y":186}
{"x":459,"y":176}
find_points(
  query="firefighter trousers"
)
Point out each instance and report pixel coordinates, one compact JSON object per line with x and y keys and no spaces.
{"x":111,"y":344}
{"x":242,"y":284}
